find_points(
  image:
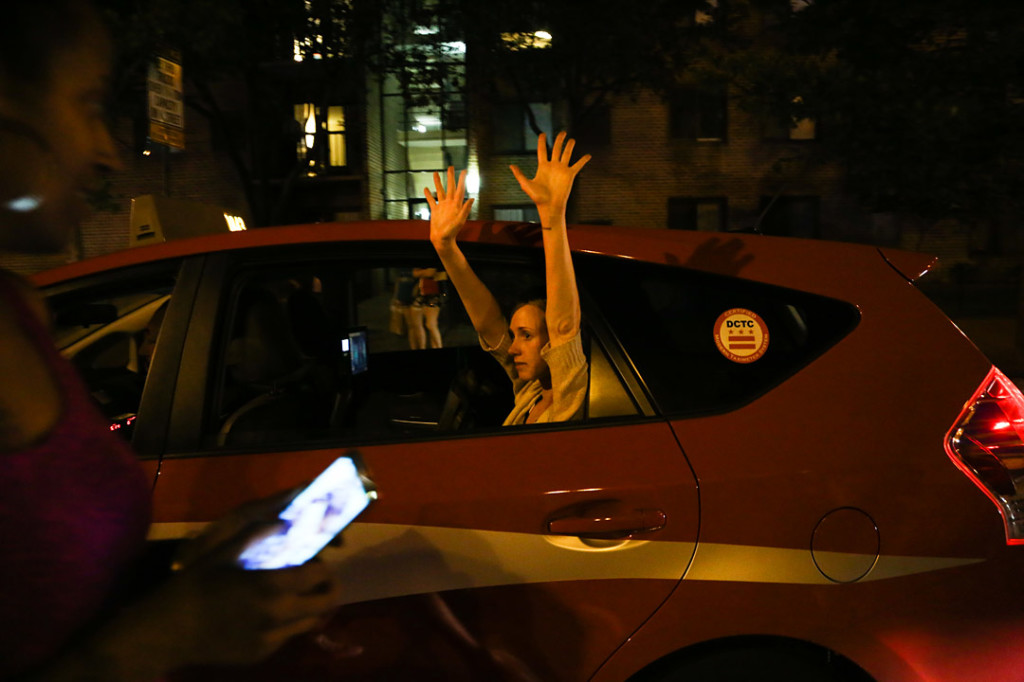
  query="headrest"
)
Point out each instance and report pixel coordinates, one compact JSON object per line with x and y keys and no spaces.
{"x":315,"y":332}
{"x":264,"y":352}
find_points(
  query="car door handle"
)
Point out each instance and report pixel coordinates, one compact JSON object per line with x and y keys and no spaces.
{"x":596,"y":524}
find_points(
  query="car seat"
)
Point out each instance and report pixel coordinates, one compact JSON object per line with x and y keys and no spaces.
{"x":265,"y":361}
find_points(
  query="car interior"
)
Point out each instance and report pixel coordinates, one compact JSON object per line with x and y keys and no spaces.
{"x":289,"y":371}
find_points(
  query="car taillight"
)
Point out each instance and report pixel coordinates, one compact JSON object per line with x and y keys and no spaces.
{"x":987,"y":444}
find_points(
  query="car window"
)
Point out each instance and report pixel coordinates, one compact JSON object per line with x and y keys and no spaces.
{"x":109,"y":327}
{"x":365,"y":351}
{"x":82,"y":320}
{"x":667,"y":319}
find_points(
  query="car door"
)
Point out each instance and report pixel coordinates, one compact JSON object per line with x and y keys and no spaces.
{"x":493,"y":552}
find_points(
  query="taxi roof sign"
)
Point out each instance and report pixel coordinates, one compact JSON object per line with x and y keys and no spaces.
{"x":157,"y":219}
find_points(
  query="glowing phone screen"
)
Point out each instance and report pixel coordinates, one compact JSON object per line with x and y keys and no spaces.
{"x":313,"y":519}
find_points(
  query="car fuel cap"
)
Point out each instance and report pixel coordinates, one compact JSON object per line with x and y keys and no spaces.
{"x":845,"y":544}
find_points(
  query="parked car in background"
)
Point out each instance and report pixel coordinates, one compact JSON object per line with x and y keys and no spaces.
{"x":792,"y":465}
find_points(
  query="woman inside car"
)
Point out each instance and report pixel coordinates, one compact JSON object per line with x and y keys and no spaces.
{"x":540,"y":346}
{"x":74,"y":504}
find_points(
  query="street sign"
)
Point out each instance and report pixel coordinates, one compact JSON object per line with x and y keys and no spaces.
{"x":166,"y":103}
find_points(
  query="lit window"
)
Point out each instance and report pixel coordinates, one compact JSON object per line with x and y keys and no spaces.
{"x":800,"y":128}
{"x":524,"y":40}
{"x":418,"y":209}
{"x":309,"y":127}
{"x":336,"y":136}
{"x":803,"y":129}
{"x":472,"y":179}
{"x":705,"y":15}
{"x":311,"y":120}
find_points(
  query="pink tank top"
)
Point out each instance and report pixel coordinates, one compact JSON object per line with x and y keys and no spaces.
{"x":74,"y":510}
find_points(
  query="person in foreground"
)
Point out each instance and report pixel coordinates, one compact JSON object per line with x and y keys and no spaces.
{"x":540,"y":347}
{"x":74,"y":504}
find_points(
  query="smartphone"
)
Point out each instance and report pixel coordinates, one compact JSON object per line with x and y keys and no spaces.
{"x":314,"y":517}
{"x":354,"y":348}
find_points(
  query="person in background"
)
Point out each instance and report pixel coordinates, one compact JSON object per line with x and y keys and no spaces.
{"x":74,"y":504}
{"x":417,"y":297}
{"x":428,"y":300}
{"x":403,"y":300}
{"x":540,"y":347}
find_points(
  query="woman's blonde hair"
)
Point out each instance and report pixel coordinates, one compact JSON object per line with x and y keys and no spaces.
{"x":541,"y":303}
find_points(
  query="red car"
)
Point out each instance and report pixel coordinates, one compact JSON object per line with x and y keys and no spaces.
{"x":792,"y":466}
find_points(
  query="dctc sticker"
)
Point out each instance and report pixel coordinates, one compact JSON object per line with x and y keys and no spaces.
{"x":741,"y":335}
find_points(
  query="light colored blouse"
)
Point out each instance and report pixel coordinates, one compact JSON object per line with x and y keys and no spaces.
{"x":569,"y":374}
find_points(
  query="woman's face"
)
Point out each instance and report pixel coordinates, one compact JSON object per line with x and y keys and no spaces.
{"x":68,"y":114}
{"x":529,"y":335}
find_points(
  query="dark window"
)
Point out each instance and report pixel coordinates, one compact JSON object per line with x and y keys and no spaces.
{"x":454,"y":116}
{"x":699,"y":114}
{"x":595,"y":130}
{"x":788,"y":216}
{"x":707,"y":214}
{"x":982,"y":238}
{"x":665,"y":319}
{"x":513,"y":131}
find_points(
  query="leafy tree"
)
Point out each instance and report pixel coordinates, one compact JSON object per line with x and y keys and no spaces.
{"x":921,"y":101}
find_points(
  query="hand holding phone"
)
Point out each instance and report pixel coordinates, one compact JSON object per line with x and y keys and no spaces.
{"x":313,"y":518}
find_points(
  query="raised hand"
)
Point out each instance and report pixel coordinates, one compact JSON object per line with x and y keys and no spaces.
{"x":449,"y":211}
{"x":448,"y":215}
{"x":549,"y":189}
